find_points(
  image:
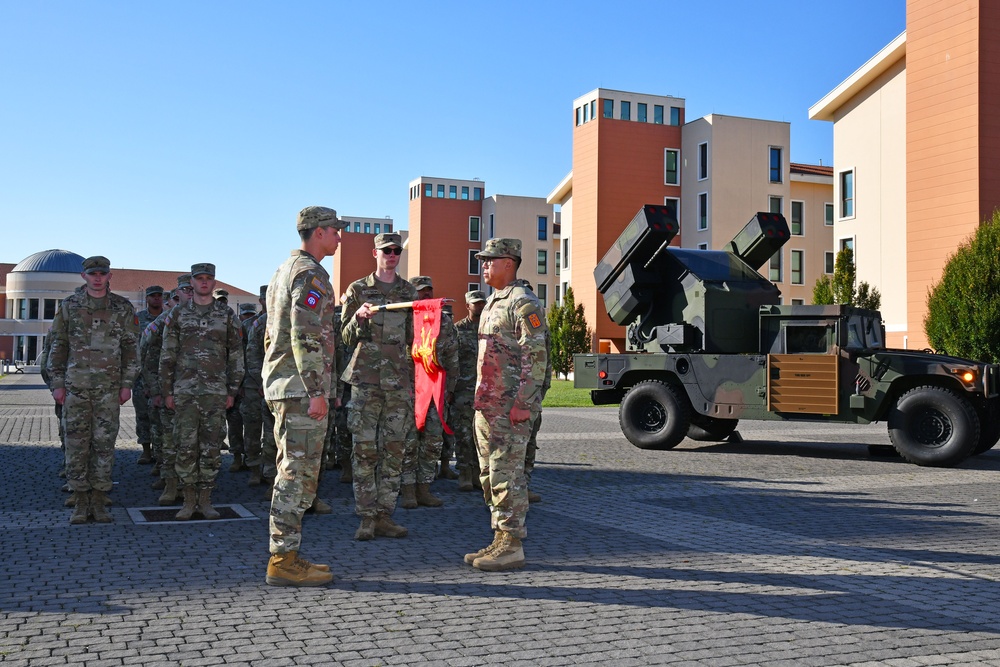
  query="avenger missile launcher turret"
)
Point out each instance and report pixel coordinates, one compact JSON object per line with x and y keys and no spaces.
{"x":708,"y":343}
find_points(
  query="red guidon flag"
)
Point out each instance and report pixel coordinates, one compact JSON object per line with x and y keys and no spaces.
{"x":429,"y":377}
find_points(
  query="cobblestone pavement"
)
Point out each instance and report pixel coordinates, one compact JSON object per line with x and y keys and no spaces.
{"x":795,"y":547}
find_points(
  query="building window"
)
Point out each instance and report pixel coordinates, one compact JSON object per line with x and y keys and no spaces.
{"x":626,"y":110}
{"x":797,"y":270}
{"x":640,"y":112}
{"x":593,"y":109}
{"x":32,"y":309}
{"x":368,"y":228}
{"x":491,"y":226}
{"x":847,"y":194}
{"x":797,"y":218}
{"x":465,"y":192}
{"x":49,"y":311}
{"x":828,"y":262}
{"x":565,"y":254}
{"x":558,"y":268}
{"x":828,"y":215}
{"x":658,"y":114}
{"x":849,"y":243}
{"x":542,"y":294}
{"x":473,"y":287}
{"x":543,"y":228}
{"x":387,"y":227}
{"x":774,"y":268}
{"x":543,"y":262}
{"x":440,"y":191}
{"x":774,"y":204}
{"x":428,"y":190}
{"x":477,"y":194}
{"x":357,"y":227}
{"x":798,"y":302}
{"x":775,"y":165}
{"x":473,"y":263}
{"x":702,"y":211}
{"x":673,"y":205}
{"x":586,"y":113}
{"x":557,"y":299}
{"x":474,"y":228}
{"x":452,"y":192}
{"x":671,"y":166}
{"x":609,"y":108}
{"x":378,"y":228}
{"x":675,"y":116}
{"x":579,"y":115}
{"x":702,"y":161}
{"x":21,"y":309}
{"x":702,"y":246}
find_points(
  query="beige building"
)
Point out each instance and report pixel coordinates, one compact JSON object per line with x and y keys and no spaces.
{"x":533,"y":220}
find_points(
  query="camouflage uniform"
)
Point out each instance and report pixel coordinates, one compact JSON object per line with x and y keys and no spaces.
{"x":268,"y":455}
{"x":462,"y":414}
{"x":42,"y":362}
{"x":251,"y":397}
{"x":380,"y":373}
{"x":511,"y":364}
{"x":201,"y":364}
{"x":299,"y":364}
{"x":148,"y":430}
{"x":93,"y":357}
{"x":532,"y":447}
{"x":423,"y":451}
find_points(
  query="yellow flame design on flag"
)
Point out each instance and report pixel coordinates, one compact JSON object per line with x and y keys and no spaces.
{"x":426,"y":352}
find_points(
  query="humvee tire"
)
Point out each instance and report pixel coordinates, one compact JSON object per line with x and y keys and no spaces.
{"x":710,"y":429}
{"x":989,"y":426}
{"x":933,"y":426}
{"x":653,"y":415}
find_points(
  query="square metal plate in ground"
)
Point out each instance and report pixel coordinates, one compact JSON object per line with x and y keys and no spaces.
{"x":165,"y":515}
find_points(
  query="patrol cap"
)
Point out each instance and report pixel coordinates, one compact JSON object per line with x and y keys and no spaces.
{"x":422,"y":282}
{"x":247,"y":308}
{"x":319,"y":216}
{"x":475,"y":295}
{"x":496,"y":248}
{"x":154,"y":289}
{"x":263,"y":291}
{"x":220,"y":293}
{"x":184,"y":280}
{"x":388,"y":239}
{"x":203,"y":268}
{"x":97,"y":264}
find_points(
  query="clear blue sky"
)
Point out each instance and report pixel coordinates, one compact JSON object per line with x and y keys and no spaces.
{"x":150,"y":132}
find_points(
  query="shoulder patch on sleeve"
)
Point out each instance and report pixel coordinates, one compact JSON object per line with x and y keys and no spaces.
{"x":311,"y":299}
{"x":318,"y":284}
{"x":532,"y":314}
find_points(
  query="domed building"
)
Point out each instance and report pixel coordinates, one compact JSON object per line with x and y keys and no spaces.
{"x":32,"y":289}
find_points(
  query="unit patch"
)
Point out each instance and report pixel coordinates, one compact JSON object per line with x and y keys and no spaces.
{"x":312,"y":299}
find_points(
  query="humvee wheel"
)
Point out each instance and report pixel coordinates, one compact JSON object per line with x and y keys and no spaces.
{"x":711,"y":429}
{"x":654,"y":416}
{"x":989,"y":427}
{"x":933,"y":426}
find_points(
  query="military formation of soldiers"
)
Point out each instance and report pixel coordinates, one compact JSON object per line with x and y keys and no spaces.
{"x":305,"y":386}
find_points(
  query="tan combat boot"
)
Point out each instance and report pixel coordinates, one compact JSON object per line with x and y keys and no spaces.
{"x":97,"y":502}
{"x":190,"y":502}
{"x":255,"y":476}
{"x":147,"y":454}
{"x":426,"y":498}
{"x":155,"y":472}
{"x":237,"y":463}
{"x":319,"y":506}
{"x":288,"y":569}
{"x":408,"y":496}
{"x":72,"y":500}
{"x":471,"y":558}
{"x":169,"y":495}
{"x":346,"y":471}
{"x":506,"y":555}
{"x":465,"y":479}
{"x":446,"y":472}
{"x":205,"y":504}
{"x":366,"y":531}
{"x":386,"y":527}
{"x":82,"y":508}
{"x":158,"y":484}
{"x":322,"y":567}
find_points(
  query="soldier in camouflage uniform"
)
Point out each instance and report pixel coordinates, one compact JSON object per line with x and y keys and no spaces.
{"x":42,"y":361}
{"x":140,"y":398}
{"x":462,"y":414}
{"x":512,"y":363}
{"x":532,"y":447}
{"x":91,"y":368}
{"x":423,"y":450}
{"x":255,"y":363}
{"x":299,"y":377}
{"x":150,"y":347}
{"x":380,"y":373}
{"x":252,"y":396}
{"x":201,"y":367}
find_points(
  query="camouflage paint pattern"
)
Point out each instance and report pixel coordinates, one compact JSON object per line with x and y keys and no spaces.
{"x":298,"y":468}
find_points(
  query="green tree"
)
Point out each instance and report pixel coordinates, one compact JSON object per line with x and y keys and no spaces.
{"x":569,"y":332}
{"x":868,"y":297}
{"x":963,"y":308}
{"x":823,"y":291}
{"x":843,"y":277}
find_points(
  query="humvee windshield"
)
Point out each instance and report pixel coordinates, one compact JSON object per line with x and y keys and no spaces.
{"x":864,"y":332}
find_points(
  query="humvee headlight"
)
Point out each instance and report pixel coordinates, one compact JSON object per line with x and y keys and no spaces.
{"x":966,"y":375}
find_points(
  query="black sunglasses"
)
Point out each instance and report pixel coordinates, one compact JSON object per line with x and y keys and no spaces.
{"x":392,"y":251}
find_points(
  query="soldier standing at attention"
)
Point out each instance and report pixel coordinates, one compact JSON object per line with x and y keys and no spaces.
{"x":512,"y":363}
{"x":252,"y":392}
{"x":91,"y":367}
{"x":423,"y":450}
{"x":140,"y":397}
{"x":381,"y":377}
{"x":201,"y":367}
{"x":150,"y":347}
{"x":462,"y":413}
{"x":299,"y":379}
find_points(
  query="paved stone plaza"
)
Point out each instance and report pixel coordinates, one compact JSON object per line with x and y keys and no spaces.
{"x":796,"y":547}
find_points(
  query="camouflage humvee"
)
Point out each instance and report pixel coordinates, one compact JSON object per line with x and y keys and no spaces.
{"x":707,"y":345}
